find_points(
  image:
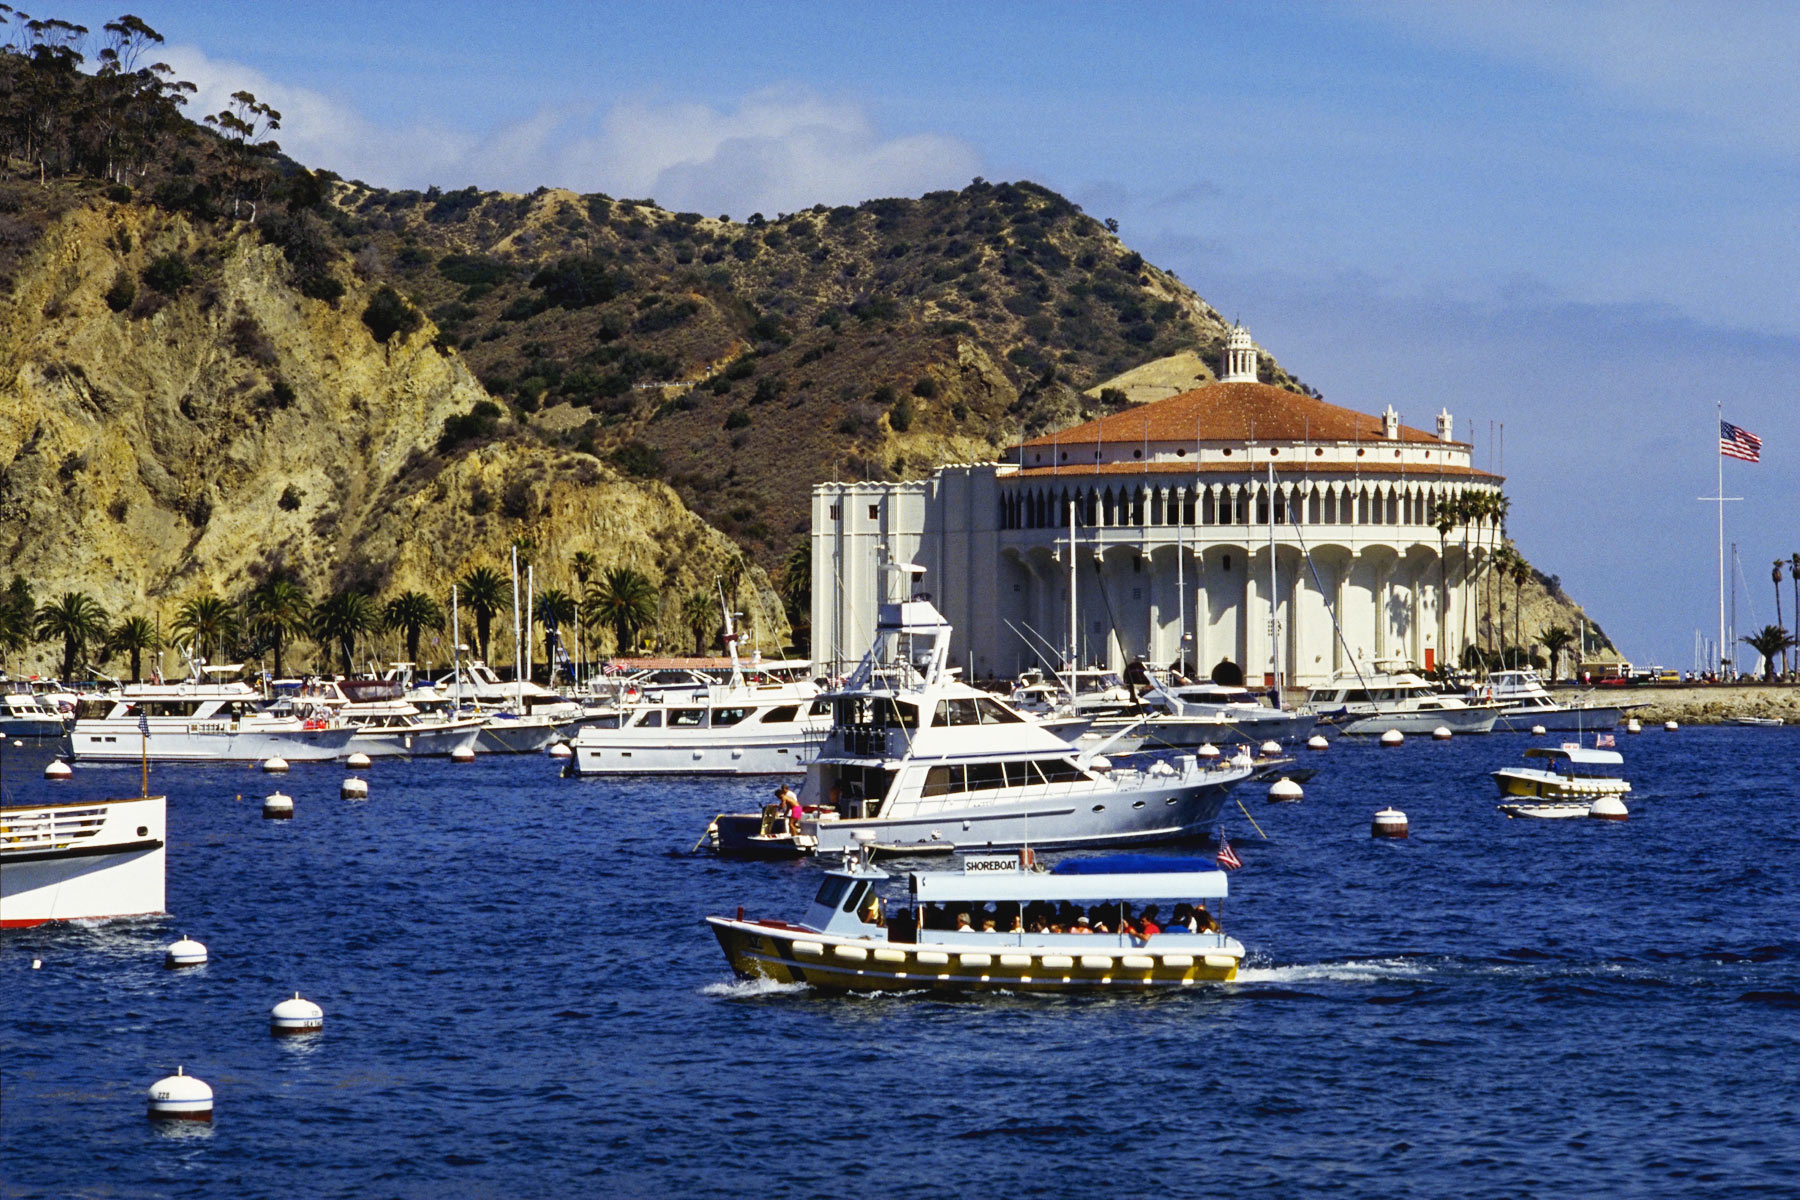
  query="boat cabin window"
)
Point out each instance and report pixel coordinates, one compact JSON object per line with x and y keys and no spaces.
{"x":728,"y":716}
{"x":609,"y":721}
{"x":973,"y":710}
{"x":832,"y":890}
{"x":686,"y":718}
{"x":650,"y":718}
{"x":878,"y":711}
{"x":1356,"y":696}
{"x":820,"y":707}
{"x":781,"y":714}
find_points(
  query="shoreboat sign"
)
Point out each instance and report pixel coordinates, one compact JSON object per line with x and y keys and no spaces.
{"x":991,"y":864}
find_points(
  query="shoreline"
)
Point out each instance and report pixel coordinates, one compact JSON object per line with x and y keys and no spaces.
{"x":1700,"y":704}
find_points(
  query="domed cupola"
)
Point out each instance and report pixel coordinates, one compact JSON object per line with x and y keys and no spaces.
{"x":1240,"y":357}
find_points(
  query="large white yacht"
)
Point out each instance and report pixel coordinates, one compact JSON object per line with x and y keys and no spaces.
{"x":1392,"y":695}
{"x":207,"y":718}
{"x":25,"y":714}
{"x":1524,"y":702}
{"x":387,"y":725}
{"x":68,"y":862}
{"x":752,"y":724}
{"x":919,"y":759}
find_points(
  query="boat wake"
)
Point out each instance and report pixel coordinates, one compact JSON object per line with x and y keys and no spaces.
{"x":753,"y":989}
{"x":1365,"y":971}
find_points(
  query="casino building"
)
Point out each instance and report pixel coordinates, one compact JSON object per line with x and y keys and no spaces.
{"x":1237,"y":521}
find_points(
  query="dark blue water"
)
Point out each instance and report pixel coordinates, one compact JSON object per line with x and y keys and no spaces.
{"x":521,"y":1001}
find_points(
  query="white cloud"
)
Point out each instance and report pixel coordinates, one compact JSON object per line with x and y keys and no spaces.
{"x":778,"y":150}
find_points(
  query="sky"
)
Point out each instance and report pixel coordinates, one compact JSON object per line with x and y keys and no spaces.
{"x":1571,"y":224}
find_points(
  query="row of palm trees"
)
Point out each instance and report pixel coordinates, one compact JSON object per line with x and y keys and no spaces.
{"x":1482,"y":514}
{"x":279,"y":613}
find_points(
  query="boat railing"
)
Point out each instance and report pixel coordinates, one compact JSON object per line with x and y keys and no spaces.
{"x":50,"y":828}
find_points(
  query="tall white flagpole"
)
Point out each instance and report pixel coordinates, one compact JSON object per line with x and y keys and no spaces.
{"x":1719,"y":457}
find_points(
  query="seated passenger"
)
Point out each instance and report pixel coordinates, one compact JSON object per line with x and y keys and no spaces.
{"x":1039,"y":925}
{"x":871,"y":912}
{"x":1148,"y":927}
{"x":987,"y":926}
{"x":1204,"y":922}
{"x":1082,"y":926}
{"x":962,"y":923}
{"x":1018,"y":924}
{"x":1183,"y":921}
{"x":1098,"y":915}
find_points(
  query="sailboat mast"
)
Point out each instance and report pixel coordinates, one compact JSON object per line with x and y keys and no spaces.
{"x":1274,"y":623}
{"x":1719,"y":459}
{"x":518,"y":679}
{"x":455,"y":649}
{"x":1074,"y":580}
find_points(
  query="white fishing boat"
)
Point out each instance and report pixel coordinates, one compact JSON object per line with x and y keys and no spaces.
{"x":1525,"y":702}
{"x":918,"y":758}
{"x":751,"y":724}
{"x":1572,"y":778}
{"x":1000,"y":923}
{"x":207,"y":718}
{"x":1392,"y":695}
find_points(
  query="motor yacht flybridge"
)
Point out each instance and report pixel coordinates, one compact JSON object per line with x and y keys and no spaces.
{"x":920,"y":759}
{"x":209,"y":717}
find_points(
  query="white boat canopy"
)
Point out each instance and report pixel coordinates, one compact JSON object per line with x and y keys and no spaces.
{"x":1186,"y":880}
{"x":1578,"y":755}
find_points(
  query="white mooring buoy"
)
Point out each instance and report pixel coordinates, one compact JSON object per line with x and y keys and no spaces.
{"x":1285,"y":791}
{"x":560,"y":750}
{"x":185,"y":953}
{"x":296,"y":1016}
{"x":1634,"y":726}
{"x":358,"y":761}
{"x":1441,"y":734}
{"x":278,"y":806}
{"x":1207,"y":750}
{"x":1271,"y":747}
{"x":462,"y":754}
{"x":180,"y":1097}
{"x":1393,"y":737}
{"x":1608,"y":808}
{"x":1671,"y":726}
{"x":275,"y":765}
{"x":58,"y":769}
{"x":1389,"y":823}
{"x":1317,"y":741}
{"x":354,"y":789}
{"x":1537,"y":731}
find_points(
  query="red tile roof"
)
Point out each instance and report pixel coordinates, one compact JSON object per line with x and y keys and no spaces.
{"x":1230,"y":412}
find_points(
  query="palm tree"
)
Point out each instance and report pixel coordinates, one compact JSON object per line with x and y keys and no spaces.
{"x":1776,"y":577}
{"x":624,"y":599}
{"x":1794,"y":578}
{"x":343,"y":618}
{"x":77,"y":619}
{"x":205,"y":622}
{"x":1769,"y":641}
{"x":700,"y":613}
{"x":1443,"y":516}
{"x":486,"y":592}
{"x":133,"y":636}
{"x":554,"y":609}
{"x":796,"y":582}
{"x":279,"y":611}
{"x":1556,"y":639}
{"x":1521,"y":571}
{"x":412,"y":613}
{"x":585,"y":565}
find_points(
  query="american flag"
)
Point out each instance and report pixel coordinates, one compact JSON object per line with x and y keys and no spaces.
{"x":1227,"y":856}
{"x":1739,"y":443}
{"x":143,"y":721}
{"x":1603,"y":740}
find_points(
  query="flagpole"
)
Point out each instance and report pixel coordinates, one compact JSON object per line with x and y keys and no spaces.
{"x":1719,"y":455}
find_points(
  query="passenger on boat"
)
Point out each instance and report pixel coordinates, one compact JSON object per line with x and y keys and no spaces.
{"x":1098,"y":922}
{"x":1018,"y":924}
{"x":962,"y":923}
{"x":987,"y":926}
{"x":871,"y":913}
{"x":1082,"y":925}
{"x":1148,"y":926}
{"x":1204,"y":922}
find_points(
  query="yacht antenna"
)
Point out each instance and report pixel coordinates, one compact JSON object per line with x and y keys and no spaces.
{"x":1274,"y":600}
{"x":455,"y":651}
{"x":518,"y":678}
{"x":731,"y":637}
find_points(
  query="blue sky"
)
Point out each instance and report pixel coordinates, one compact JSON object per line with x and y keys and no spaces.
{"x":1574,"y":220}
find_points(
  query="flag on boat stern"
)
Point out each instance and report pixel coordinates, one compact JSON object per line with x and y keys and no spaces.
{"x":1739,"y":443}
{"x":1227,"y":856}
{"x":1603,"y":740}
{"x":143,"y":720}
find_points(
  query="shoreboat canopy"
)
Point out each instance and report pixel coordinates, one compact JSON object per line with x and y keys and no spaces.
{"x":1125,"y":877}
{"x":1578,"y":755}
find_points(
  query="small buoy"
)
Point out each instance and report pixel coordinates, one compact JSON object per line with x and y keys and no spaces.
{"x":1389,"y":823}
{"x":296,"y":1016}
{"x":1285,"y":790}
{"x":1207,"y":750}
{"x":1671,"y":726}
{"x":354,"y":789}
{"x":1317,"y":741}
{"x":560,"y":750}
{"x":462,"y":754}
{"x":37,"y":964}
{"x":1271,"y":747}
{"x":180,"y":1097}
{"x":1633,"y":726}
{"x":1537,"y":731}
{"x":58,"y":769}
{"x":1392,"y":737}
{"x":1441,"y":733}
{"x":278,"y":806}
{"x":1608,"y":808}
{"x":276,"y":765}
{"x":185,"y":953}
{"x":358,"y":761}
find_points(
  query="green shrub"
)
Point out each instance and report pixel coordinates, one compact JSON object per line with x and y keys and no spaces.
{"x":290,"y":498}
{"x":388,"y":313}
{"x":635,"y":458}
{"x":900,"y":417}
{"x":925,"y":388}
{"x":122,"y":292}
{"x":737,"y":418}
{"x":169,"y":274}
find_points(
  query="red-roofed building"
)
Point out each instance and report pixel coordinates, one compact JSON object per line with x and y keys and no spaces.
{"x":1177,"y":507}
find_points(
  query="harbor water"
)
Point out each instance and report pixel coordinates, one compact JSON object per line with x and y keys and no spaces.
{"x":521,"y":1000}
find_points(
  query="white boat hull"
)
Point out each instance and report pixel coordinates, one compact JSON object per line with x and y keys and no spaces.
{"x":68,"y":862}
{"x":605,"y":752}
{"x":1559,"y":720}
{"x":427,"y":742}
{"x":515,"y":735}
{"x":1456,"y":720}
{"x":47,"y":726}
{"x":205,"y":741}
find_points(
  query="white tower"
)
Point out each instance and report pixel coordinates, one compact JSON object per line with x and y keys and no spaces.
{"x":1445,"y":426}
{"x":1240,"y":357}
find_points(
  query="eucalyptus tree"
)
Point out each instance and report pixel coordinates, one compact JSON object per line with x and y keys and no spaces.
{"x":411,"y":613}
{"x":342,"y":618}
{"x":206,"y":622}
{"x":131,"y":637}
{"x":485,"y":591}
{"x":624,"y":599}
{"x":78,"y":620}
{"x":280,"y":611}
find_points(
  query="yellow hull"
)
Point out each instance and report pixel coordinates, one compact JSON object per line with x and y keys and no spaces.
{"x":1527,"y":787}
{"x":789,"y":955}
